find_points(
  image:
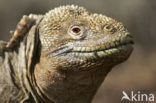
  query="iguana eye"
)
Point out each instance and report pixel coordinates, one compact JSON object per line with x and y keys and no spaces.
{"x":77,"y":31}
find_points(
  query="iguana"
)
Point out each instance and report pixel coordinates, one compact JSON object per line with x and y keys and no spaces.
{"x":61,"y":57}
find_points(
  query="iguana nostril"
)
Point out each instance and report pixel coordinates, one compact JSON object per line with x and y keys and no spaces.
{"x":108,"y":27}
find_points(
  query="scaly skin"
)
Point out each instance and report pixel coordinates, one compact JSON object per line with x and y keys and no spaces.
{"x":68,"y":52}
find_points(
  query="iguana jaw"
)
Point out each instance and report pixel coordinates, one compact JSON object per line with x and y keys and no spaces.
{"x":103,"y":52}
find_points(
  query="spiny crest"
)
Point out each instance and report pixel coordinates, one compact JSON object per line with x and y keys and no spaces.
{"x":21,"y":30}
{"x":23,"y":27}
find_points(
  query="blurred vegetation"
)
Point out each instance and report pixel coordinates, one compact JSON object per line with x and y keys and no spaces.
{"x":139,"y":16}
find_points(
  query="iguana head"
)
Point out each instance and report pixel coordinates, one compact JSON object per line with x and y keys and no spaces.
{"x":77,"y":49}
{"x":76,"y":39}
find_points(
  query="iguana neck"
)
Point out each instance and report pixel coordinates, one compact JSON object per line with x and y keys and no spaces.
{"x":14,"y":77}
{"x":71,"y":86}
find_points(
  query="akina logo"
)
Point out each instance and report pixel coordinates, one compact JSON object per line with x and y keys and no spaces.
{"x":140,"y":97}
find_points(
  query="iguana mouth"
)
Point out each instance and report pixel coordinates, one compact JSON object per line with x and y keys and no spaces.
{"x":104,"y":47}
{"x":106,"y":50}
{"x":103,"y":50}
{"x":88,"y":53}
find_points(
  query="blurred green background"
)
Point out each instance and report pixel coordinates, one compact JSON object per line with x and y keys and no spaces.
{"x":139,"y":16}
